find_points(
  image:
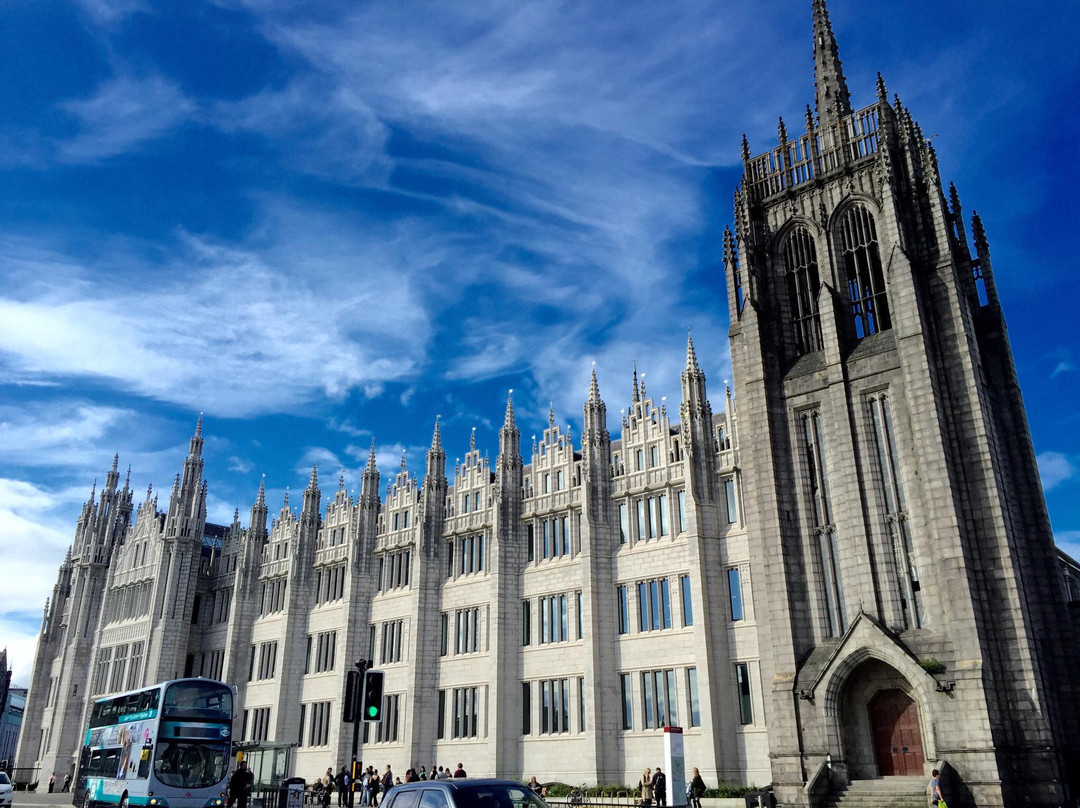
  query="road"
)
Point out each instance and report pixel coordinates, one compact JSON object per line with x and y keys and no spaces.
{"x":57,"y":798}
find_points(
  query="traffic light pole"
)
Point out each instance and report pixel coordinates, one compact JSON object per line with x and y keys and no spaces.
{"x":362,"y":665}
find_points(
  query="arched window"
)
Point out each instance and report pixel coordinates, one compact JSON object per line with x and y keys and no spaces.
{"x":801,"y":269}
{"x":865,"y":278}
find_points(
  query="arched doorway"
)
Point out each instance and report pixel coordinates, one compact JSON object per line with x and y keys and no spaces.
{"x":894,"y":725}
{"x":877,"y":709}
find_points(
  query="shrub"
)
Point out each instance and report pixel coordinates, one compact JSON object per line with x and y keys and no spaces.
{"x":932,"y":666}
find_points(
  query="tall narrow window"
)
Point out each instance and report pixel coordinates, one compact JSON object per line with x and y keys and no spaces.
{"x":824,"y":528}
{"x":624,"y":527}
{"x":526,"y":708}
{"x":891,"y":489}
{"x":680,"y":501}
{"x":692,"y":693}
{"x":526,"y":623}
{"x":687,"y":600}
{"x":627,"y":701}
{"x":801,"y":269}
{"x":742,"y":687}
{"x":864,"y":275}
{"x":731,"y":501}
{"x":624,"y":611}
{"x":735,"y":592}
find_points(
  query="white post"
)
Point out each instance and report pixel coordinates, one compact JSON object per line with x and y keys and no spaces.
{"x":676,"y":767}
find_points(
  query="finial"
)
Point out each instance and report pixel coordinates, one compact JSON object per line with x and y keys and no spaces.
{"x":882,"y":92}
{"x":285,"y":504}
{"x":781,"y":131}
{"x":809,"y":120}
{"x":236,"y":515}
{"x":403,"y":451}
{"x":127,"y":478}
{"x":977,"y":230}
{"x":643,"y":385}
{"x":313,"y":483}
{"x":472,"y":440}
{"x":198,"y":426}
{"x":551,"y":415}
{"x":745,"y":149}
{"x":115,"y":461}
{"x":341,"y":481}
{"x":260,"y":499}
{"x":954,"y":199}
{"x":371,"y":455}
{"x":637,"y":392}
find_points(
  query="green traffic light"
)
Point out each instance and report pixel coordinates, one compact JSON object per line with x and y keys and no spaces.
{"x":372,"y":711}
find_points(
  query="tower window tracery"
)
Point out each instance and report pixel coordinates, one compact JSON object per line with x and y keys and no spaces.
{"x":863,"y":272}
{"x":823,"y":525}
{"x":803,"y":282}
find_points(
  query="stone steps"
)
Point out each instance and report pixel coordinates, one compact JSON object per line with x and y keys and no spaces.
{"x":884,"y":792}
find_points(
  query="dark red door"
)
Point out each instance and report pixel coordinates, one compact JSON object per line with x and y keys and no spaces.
{"x":894,"y":722}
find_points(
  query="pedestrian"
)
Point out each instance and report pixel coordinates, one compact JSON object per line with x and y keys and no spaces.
{"x":696,"y":789}
{"x":445,"y":774}
{"x":376,"y":786}
{"x":934,"y":790}
{"x":659,"y":787}
{"x":534,"y":786}
{"x":342,"y":783}
{"x":52,"y":782}
{"x":328,"y":786}
{"x":645,"y":788}
{"x":240,"y":786}
{"x":460,"y":771}
{"x":423,"y":772}
{"x":67,"y":782}
{"x":387,"y":782}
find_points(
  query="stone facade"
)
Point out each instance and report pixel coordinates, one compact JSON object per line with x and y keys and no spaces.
{"x":863,"y":584}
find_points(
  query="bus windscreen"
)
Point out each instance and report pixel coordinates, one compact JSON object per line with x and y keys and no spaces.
{"x":195,"y":699}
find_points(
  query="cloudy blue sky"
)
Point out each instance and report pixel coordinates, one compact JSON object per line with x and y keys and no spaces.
{"x":319,"y":222}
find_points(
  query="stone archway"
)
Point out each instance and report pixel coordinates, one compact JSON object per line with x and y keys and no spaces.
{"x":881,"y":722}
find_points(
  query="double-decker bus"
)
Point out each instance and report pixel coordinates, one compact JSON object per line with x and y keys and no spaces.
{"x":165,"y":746}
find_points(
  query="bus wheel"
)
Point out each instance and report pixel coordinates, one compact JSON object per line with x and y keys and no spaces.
{"x":87,"y":802}
{"x":124,"y":801}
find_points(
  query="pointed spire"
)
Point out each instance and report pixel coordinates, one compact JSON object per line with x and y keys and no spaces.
{"x":691,"y":355}
{"x":882,"y":90}
{"x":436,"y":436}
{"x":260,"y":499}
{"x":637,"y":392}
{"x":594,"y":388}
{"x":781,"y":132}
{"x":341,"y":481}
{"x":403,"y":452}
{"x":313,"y":481}
{"x":149,"y":491}
{"x":745,"y":149}
{"x":472,"y":440}
{"x":551,"y":416}
{"x":508,"y":421}
{"x":371,"y":455}
{"x":285,"y":502}
{"x":833,"y":99}
{"x":115,"y":462}
{"x":198,"y":426}
{"x":127,"y":479}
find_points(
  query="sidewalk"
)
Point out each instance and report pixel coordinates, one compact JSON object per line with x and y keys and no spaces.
{"x":57,"y":798}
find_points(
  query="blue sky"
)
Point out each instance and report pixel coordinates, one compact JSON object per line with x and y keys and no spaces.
{"x":319,"y":222}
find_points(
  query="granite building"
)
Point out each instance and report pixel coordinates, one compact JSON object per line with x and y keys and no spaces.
{"x":846,"y":572}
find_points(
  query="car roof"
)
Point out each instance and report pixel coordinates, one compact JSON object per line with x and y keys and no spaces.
{"x":460,"y":782}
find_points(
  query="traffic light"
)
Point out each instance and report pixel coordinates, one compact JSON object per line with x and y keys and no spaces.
{"x":351,"y":707}
{"x":371,"y":706}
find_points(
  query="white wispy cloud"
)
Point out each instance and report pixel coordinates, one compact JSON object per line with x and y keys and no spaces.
{"x":125,"y":112}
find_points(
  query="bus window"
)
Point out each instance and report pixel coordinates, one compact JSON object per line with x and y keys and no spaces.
{"x":192,"y":765}
{"x":198,"y":700}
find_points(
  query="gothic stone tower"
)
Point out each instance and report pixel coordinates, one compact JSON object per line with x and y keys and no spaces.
{"x":910,"y":598}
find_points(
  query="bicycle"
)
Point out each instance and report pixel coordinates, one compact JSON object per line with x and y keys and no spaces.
{"x":579,"y":796}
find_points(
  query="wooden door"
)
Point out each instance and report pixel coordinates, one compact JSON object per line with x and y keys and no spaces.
{"x":894,"y":724}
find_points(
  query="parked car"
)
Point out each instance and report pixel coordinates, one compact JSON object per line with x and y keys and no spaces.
{"x":462,"y":793}
{"x":6,"y":790}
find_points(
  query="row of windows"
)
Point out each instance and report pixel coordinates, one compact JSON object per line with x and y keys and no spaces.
{"x":654,"y":604}
{"x":318,"y":726}
{"x":386,"y":731}
{"x":659,"y":698}
{"x":470,"y":554}
{"x":256,"y":724}
{"x":392,"y":632}
{"x":115,"y":671}
{"x":464,"y":713}
{"x":129,"y":601}
{"x":321,"y":652}
{"x":336,"y":536}
{"x":554,"y":619}
{"x":468,"y":500}
{"x":329,"y":584}
{"x":272,"y":598}
{"x":394,"y":570}
{"x":466,"y":632}
{"x":550,"y":538}
{"x":399,"y":520}
{"x":222,"y":601}
{"x":263,"y":663}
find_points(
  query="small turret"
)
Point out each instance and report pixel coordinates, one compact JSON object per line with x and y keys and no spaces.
{"x":833,"y":98}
